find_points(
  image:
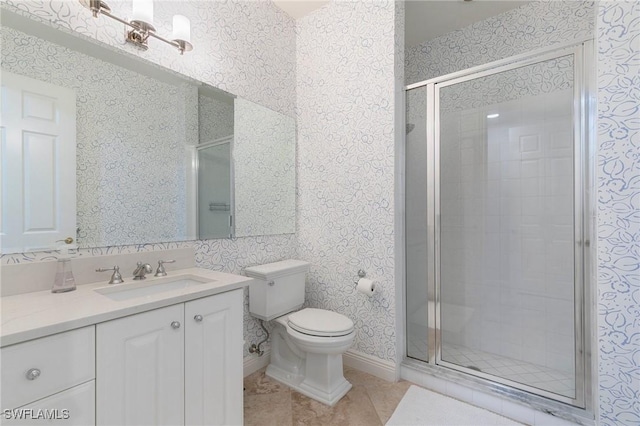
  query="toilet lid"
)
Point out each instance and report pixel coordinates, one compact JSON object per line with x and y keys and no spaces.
{"x":320,"y":322}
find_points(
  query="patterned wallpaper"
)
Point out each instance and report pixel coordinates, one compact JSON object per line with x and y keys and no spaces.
{"x":345,"y":94}
{"x":618,"y":212}
{"x":244,"y":47}
{"x":235,"y":255}
{"x":215,"y":118}
{"x":529,"y":27}
{"x":52,"y":255}
{"x":542,"y":77}
{"x":264,"y":156}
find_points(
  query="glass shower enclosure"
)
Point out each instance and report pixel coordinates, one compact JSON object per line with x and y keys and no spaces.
{"x":495,"y":224}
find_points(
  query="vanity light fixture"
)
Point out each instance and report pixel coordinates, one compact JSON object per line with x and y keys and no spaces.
{"x":140,"y":28}
{"x":493,"y":115}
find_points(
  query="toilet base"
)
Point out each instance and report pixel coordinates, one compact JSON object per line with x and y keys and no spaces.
{"x":297,"y":383}
{"x":311,"y":365}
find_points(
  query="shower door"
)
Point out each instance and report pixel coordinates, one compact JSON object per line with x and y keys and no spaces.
{"x":502,"y":209}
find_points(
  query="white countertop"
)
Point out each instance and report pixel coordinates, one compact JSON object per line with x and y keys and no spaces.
{"x":32,"y":315}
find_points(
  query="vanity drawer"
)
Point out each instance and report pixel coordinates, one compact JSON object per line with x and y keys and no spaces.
{"x":55,"y":363}
{"x":73,"y":407}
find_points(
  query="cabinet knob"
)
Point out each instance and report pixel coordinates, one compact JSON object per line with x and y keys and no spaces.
{"x":33,"y":373}
{"x":175,"y":324}
{"x":271,"y":283}
{"x":198,"y":318}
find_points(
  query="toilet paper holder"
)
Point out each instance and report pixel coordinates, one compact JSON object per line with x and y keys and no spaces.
{"x":361,"y":274}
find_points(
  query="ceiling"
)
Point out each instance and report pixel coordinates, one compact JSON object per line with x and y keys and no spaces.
{"x":299,"y":8}
{"x":425,"y":19}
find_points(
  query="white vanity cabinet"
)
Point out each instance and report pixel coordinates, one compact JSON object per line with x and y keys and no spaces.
{"x":176,"y":365}
{"x":51,"y":377}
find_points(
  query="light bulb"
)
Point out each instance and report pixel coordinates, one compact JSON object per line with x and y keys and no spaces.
{"x":143,"y":11}
{"x":181,"y":28}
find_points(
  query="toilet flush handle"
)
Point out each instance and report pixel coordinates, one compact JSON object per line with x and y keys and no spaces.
{"x":271,"y":283}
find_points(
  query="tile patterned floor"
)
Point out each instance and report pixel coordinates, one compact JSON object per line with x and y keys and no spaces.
{"x":512,"y":369}
{"x":370,"y":402}
{"x":519,"y":371}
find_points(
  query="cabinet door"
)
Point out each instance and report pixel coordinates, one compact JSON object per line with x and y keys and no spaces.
{"x":140,"y":369}
{"x":73,"y":407}
{"x":213,"y":354}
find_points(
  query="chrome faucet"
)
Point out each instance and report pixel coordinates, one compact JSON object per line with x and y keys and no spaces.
{"x":141,"y":271}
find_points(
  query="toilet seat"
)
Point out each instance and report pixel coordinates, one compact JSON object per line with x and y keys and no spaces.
{"x":320,"y":322}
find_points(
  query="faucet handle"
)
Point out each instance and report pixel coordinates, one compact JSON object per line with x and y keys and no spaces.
{"x":116,"y":278}
{"x":161,"y":272}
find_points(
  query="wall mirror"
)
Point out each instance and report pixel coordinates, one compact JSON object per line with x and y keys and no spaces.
{"x":159,"y":157}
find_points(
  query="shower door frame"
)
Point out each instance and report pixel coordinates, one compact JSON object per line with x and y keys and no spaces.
{"x":583,"y":109}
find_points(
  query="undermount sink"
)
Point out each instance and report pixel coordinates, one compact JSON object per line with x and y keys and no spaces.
{"x":151,"y":287}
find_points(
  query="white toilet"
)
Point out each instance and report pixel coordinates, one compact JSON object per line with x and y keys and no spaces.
{"x":307,"y":345}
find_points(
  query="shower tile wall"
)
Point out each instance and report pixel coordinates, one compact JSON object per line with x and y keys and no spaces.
{"x":507,"y":214}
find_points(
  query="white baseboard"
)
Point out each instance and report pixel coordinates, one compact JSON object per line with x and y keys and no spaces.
{"x":386,"y":370}
{"x":253,"y":363}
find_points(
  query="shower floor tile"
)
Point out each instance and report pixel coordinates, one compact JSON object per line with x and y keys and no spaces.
{"x":524,"y":372}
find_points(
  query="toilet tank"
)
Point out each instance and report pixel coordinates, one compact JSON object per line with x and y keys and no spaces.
{"x":278,"y":290}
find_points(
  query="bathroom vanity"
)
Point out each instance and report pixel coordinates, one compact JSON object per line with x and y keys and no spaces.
{"x":159,"y":351}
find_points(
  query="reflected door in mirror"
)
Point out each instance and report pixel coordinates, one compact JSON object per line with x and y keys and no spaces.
{"x":38,"y":164}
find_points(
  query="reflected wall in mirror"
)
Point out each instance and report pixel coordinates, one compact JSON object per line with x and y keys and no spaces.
{"x":139,"y":127}
{"x":265,"y":170}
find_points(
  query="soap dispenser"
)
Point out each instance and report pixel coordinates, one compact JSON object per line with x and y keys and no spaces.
{"x":64,"y":280}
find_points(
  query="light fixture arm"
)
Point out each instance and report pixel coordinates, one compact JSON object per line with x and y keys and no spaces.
{"x":140,"y":31}
{"x":181,"y":45}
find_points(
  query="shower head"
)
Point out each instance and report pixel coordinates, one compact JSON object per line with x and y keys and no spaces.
{"x":410,"y":127}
